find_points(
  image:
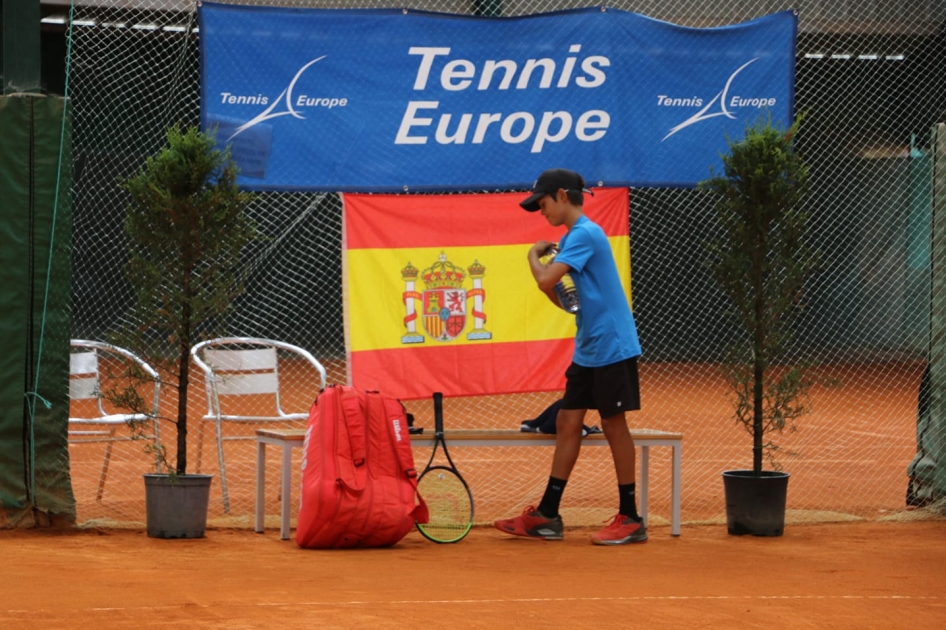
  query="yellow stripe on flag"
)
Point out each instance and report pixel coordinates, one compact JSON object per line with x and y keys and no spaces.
{"x":388,"y":294}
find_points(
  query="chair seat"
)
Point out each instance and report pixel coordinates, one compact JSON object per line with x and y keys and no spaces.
{"x":111,"y":419}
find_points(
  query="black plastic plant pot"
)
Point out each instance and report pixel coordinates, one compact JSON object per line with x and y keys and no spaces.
{"x":176,"y":507}
{"x":755,"y":504}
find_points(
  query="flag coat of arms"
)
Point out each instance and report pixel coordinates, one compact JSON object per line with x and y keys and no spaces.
{"x":438,"y":293}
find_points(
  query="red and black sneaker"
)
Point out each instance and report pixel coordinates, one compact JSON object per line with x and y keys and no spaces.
{"x":532,"y":524}
{"x":621,"y":531}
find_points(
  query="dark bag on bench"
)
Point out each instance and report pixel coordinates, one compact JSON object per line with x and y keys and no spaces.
{"x":545,"y":422}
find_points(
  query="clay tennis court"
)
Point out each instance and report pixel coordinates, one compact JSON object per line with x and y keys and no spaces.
{"x":841,"y":576}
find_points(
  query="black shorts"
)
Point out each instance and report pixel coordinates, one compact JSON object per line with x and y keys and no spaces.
{"x":611,"y":389}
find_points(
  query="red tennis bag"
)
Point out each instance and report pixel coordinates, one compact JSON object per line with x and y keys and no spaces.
{"x":359,"y":484}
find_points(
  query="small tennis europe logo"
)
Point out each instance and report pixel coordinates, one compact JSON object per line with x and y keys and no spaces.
{"x":444,"y":302}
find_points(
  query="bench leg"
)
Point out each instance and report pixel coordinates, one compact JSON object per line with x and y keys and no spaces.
{"x":675,"y":492}
{"x":644,"y":485}
{"x":286,"y":501}
{"x":260,"y":486}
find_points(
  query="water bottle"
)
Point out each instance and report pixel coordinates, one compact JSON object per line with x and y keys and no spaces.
{"x":565,"y":289}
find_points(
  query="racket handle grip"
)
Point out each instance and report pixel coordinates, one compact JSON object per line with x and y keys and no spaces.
{"x":438,"y":412}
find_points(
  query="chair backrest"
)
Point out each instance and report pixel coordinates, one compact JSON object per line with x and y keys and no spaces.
{"x":84,"y":376}
{"x":239,"y":366}
{"x":237,"y":372}
{"x":84,"y":371}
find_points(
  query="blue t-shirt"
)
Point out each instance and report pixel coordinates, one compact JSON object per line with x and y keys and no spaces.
{"x":606,"y":329}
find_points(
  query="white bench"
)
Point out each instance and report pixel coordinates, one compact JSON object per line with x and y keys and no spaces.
{"x":289,"y":439}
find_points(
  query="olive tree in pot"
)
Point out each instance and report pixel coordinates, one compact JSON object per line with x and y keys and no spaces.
{"x":187,"y":225}
{"x":760,"y":260}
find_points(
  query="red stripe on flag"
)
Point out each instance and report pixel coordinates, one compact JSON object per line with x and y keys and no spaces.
{"x":467,"y":370}
{"x":405,"y":221}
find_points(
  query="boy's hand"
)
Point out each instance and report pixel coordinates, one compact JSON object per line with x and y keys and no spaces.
{"x":539,"y":248}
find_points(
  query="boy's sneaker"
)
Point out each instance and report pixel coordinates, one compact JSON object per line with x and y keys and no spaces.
{"x":622,"y":530}
{"x":532,"y":524}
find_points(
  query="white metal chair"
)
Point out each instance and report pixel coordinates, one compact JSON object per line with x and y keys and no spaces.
{"x":236,"y":367}
{"x":90,"y":362}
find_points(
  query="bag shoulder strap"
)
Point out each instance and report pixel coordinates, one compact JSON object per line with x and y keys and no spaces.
{"x":351,"y":453}
{"x":401,"y":441}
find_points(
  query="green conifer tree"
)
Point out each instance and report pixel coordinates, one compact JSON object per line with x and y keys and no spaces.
{"x":187,"y":225}
{"x":760,"y":260}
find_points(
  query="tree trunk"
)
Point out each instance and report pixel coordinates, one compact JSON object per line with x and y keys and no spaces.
{"x":184,"y":364}
{"x":757,"y":390}
{"x":758,"y":351}
{"x":184,"y":371}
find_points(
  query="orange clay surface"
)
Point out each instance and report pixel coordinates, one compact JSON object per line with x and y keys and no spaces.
{"x":851,"y":575}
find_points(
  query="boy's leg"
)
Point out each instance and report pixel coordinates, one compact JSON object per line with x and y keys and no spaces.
{"x":568,"y":434}
{"x":622,"y":447}
{"x":617,"y":390}
{"x":624,"y":456}
{"x":568,"y":428}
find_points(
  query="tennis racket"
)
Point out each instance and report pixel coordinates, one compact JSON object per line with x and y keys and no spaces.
{"x":448,"y":498}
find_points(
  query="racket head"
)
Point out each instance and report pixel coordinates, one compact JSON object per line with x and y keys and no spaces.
{"x":449,"y":502}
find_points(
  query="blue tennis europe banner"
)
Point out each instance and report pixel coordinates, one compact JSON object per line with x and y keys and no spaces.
{"x":404,"y":101}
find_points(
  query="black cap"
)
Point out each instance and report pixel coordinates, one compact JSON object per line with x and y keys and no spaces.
{"x":549,"y":183}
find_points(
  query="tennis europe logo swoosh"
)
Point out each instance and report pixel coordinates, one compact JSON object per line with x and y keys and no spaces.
{"x":705,"y":113}
{"x":286,"y":94}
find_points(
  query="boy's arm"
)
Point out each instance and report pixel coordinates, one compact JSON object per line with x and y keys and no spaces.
{"x":546,"y":276}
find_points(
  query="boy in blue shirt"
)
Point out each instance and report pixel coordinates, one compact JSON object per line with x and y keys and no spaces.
{"x":603,"y":373}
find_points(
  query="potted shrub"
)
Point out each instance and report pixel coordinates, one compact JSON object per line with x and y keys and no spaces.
{"x":187,"y":226}
{"x":760,"y":260}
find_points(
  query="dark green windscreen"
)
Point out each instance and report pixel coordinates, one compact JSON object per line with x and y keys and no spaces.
{"x":35,"y":285}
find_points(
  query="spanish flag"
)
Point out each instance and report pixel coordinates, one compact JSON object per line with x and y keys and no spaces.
{"x":439,"y":297}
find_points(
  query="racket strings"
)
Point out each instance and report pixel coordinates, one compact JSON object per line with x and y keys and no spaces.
{"x":448,"y":502}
